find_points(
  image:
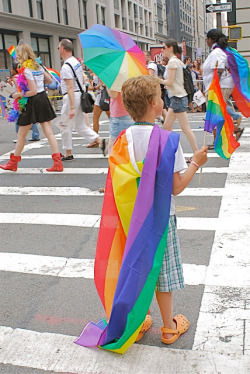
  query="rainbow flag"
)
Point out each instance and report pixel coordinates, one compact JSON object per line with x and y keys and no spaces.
{"x":12,"y":51}
{"x":132,"y":238}
{"x":2,"y":109}
{"x":55,"y":74}
{"x":217,"y":116}
{"x":240,"y":72}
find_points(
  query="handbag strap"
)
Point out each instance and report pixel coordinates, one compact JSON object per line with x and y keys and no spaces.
{"x":77,"y":80}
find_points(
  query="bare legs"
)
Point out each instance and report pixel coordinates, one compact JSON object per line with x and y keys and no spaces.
{"x":165,"y":302}
{"x":184,"y":124}
{"x":21,"y":136}
{"x":50,"y":136}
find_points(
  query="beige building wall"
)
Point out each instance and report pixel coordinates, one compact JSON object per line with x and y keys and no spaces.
{"x":243,"y":20}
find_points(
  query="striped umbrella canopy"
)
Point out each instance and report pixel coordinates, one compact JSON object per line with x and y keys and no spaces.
{"x":112,"y":55}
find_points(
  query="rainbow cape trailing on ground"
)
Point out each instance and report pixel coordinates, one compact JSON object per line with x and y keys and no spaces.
{"x":132,"y":238}
{"x":240,"y":72}
{"x":217,"y":116}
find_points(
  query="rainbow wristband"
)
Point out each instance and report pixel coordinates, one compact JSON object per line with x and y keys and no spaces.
{"x":194,"y":163}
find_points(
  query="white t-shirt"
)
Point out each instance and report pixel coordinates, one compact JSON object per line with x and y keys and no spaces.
{"x":217,"y":54}
{"x":67,"y":73}
{"x":152,"y":65}
{"x":37,"y":76}
{"x":178,"y":86}
{"x":141,"y":135}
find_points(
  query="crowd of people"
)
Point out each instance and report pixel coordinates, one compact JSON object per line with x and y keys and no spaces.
{"x":134,"y":110}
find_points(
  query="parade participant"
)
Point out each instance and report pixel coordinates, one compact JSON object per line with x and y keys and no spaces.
{"x":72,"y":101}
{"x":177,"y":93}
{"x":217,"y":41}
{"x":119,"y":117}
{"x":97,"y":87}
{"x":31,"y":105}
{"x":138,"y":249}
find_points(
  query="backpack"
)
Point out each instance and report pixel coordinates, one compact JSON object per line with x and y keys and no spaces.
{"x":188,"y":84}
{"x":161,"y":69}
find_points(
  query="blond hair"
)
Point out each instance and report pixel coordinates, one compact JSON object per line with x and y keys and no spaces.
{"x":138,"y":94}
{"x":25,"y":52}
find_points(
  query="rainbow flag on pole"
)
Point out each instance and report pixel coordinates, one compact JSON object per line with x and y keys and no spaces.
{"x":240,"y":72}
{"x":2,"y":109}
{"x":12,"y":51}
{"x":132,"y":238}
{"x":217,"y":116}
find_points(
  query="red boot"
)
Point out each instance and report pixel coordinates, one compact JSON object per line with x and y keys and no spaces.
{"x":12,"y":164}
{"x":58,"y":166}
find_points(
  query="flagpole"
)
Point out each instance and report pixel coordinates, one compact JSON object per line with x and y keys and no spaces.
{"x":204,"y":144}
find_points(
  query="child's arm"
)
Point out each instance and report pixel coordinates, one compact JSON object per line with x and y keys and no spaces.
{"x":181,"y":181}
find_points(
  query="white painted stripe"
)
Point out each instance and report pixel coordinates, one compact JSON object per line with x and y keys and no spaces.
{"x":241,"y":191}
{"x":205,"y":170}
{"x":87,"y":220}
{"x":57,"y":353}
{"x":88,"y":156}
{"x":75,"y":268}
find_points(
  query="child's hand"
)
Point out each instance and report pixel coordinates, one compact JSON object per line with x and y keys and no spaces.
{"x":200,"y":156}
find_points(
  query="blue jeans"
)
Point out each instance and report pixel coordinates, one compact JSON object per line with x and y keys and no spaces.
{"x":117,"y":124}
{"x":35,"y":131}
{"x":232,"y":113}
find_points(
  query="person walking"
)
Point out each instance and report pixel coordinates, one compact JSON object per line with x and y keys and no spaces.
{"x":34,"y":107}
{"x":177,"y":94}
{"x":72,"y":101}
{"x":217,"y":41}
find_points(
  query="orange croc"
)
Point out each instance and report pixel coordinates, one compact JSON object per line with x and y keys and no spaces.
{"x":145,"y":327}
{"x":182,"y":325}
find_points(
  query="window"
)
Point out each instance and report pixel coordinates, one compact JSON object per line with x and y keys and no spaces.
{"x":65,"y":12}
{"x":39,"y":5}
{"x":103,"y":15}
{"x":30,"y":8}
{"x":7,"y":6}
{"x":6,"y":40}
{"x":97,"y":13}
{"x":84,"y":7}
{"x":40,"y":45}
{"x":58,"y":11}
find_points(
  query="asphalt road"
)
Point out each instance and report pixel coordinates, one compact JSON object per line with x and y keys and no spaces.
{"x":39,"y":302}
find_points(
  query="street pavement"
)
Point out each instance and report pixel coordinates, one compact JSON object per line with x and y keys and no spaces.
{"x":48,"y":229}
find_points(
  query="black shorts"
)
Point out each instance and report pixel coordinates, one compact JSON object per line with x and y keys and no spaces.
{"x":37,"y":109}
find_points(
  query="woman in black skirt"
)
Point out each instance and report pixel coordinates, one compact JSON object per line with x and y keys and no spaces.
{"x":32,"y":80}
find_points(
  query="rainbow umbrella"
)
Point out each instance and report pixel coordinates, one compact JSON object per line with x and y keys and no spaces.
{"x":55,"y":74}
{"x":112,"y":55}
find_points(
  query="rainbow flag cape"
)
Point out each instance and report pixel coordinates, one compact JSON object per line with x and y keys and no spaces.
{"x":2,"y":109}
{"x":240,"y":72}
{"x":217,"y":116}
{"x":12,"y":51}
{"x":132,"y":238}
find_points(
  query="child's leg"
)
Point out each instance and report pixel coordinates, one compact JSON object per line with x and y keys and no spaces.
{"x":166,"y":304}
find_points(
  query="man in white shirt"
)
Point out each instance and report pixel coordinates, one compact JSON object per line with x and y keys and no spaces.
{"x":72,"y":101}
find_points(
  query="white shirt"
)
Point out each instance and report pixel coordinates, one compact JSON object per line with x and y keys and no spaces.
{"x":178,"y":86}
{"x":152,"y":65}
{"x":67,"y":73}
{"x":141,"y":135}
{"x":37,"y":76}
{"x":217,"y":55}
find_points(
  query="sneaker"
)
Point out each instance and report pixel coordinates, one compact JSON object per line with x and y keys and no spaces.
{"x":68,"y":158}
{"x":14,"y":141}
{"x":33,"y":140}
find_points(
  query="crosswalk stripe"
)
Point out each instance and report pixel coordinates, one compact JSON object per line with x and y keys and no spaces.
{"x":57,"y":353}
{"x":90,"y":220}
{"x":207,"y":170}
{"x":241,"y":191}
{"x":75,"y":268}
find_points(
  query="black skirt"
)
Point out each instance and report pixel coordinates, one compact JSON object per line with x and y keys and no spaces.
{"x":37,"y":109}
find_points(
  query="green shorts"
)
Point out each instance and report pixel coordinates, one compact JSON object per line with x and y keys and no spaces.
{"x":171,"y":274}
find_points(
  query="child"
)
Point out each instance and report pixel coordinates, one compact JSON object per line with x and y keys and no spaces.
{"x":138,"y":247}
